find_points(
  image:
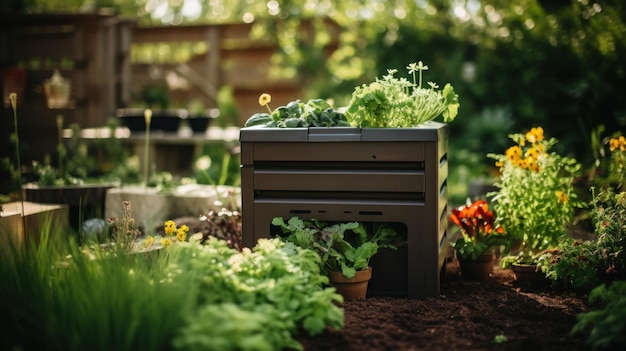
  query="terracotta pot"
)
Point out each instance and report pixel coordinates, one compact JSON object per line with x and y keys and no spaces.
{"x":529,"y":275}
{"x":351,"y":288}
{"x":478,"y":269}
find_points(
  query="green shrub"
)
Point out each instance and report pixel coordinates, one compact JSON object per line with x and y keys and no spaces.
{"x":60,"y":296}
{"x":606,"y":324}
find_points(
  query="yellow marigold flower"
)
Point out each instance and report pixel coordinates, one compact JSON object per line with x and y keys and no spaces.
{"x":531,"y":164}
{"x":521,"y":163}
{"x":618,"y":143}
{"x":181,"y":233}
{"x":166,"y":242}
{"x":563,"y":198}
{"x":513,"y":153}
{"x":148,"y":242}
{"x":170,"y":227}
{"x":499,"y":164}
{"x":533,"y":152}
{"x":535,"y":135}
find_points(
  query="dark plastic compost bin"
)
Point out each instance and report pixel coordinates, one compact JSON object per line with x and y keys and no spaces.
{"x":342,"y":174}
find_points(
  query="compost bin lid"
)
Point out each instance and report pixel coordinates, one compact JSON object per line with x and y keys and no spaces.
{"x":429,"y":131}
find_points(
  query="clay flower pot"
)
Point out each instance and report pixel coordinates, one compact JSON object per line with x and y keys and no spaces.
{"x":351,"y":288}
{"x":478,"y":269}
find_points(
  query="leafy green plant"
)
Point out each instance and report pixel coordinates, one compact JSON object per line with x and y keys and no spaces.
{"x":61,"y":296}
{"x":396,"y":102}
{"x":535,"y":199}
{"x":254,"y":299}
{"x":76,"y":165}
{"x":479,"y":235}
{"x":607,"y":322}
{"x":582,"y":265}
{"x":343,"y":247}
{"x":572,"y":264}
{"x":609,"y":217}
{"x":297,"y":114}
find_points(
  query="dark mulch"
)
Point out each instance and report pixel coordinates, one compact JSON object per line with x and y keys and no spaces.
{"x":468,"y":315}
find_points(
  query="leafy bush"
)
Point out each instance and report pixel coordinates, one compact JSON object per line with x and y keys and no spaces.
{"x":607,"y":324}
{"x":60,"y":296}
{"x":572,"y":264}
{"x":535,"y":199}
{"x":582,"y":265}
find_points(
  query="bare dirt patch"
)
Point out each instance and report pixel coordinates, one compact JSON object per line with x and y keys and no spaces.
{"x":468,"y":315}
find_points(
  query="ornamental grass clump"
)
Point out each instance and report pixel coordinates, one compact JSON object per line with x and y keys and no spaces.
{"x":479,"y":234}
{"x":535,"y":199}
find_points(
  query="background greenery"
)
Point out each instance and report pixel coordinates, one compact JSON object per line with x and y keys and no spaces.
{"x":515,"y":64}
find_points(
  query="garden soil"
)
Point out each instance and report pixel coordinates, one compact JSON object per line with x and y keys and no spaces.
{"x":498,"y":314}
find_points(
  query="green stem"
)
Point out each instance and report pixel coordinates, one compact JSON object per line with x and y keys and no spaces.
{"x":146,"y":159}
{"x":61,"y":146}
{"x":13,"y":98}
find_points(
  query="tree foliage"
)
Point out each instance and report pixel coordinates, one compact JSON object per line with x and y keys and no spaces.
{"x":560,"y":64}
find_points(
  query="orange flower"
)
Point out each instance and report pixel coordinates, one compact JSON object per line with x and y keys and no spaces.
{"x":475,"y":219}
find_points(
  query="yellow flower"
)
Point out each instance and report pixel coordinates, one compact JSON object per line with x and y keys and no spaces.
{"x":513,"y":153}
{"x":181,"y":233}
{"x":563,"y":198}
{"x":618,"y":143}
{"x":165,"y":242}
{"x":535,"y":135}
{"x":532,"y":164}
{"x":533,"y":152}
{"x":170,"y":227}
{"x":521,"y":163}
{"x":264,"y":100}
{"x":148,"y":242}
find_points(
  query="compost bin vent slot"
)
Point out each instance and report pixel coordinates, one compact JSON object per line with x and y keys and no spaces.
{"x":444,"y":238}
{"x":297,"y":212}
{"x":443,"y":160}
{"x":339,"y":165}
{"x":409,"y":197}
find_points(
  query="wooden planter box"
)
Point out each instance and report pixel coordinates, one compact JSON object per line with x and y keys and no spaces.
{"x":351,"y":174}
{"x":22,"y":223}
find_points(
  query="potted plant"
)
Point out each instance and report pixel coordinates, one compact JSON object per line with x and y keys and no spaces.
{"x":345,"y":249}
{"x":76,"y":180}
{"x":479,"y":239}
{"x":535,"y":199}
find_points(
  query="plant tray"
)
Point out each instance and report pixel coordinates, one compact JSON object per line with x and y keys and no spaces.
{"x":350,"y":174}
